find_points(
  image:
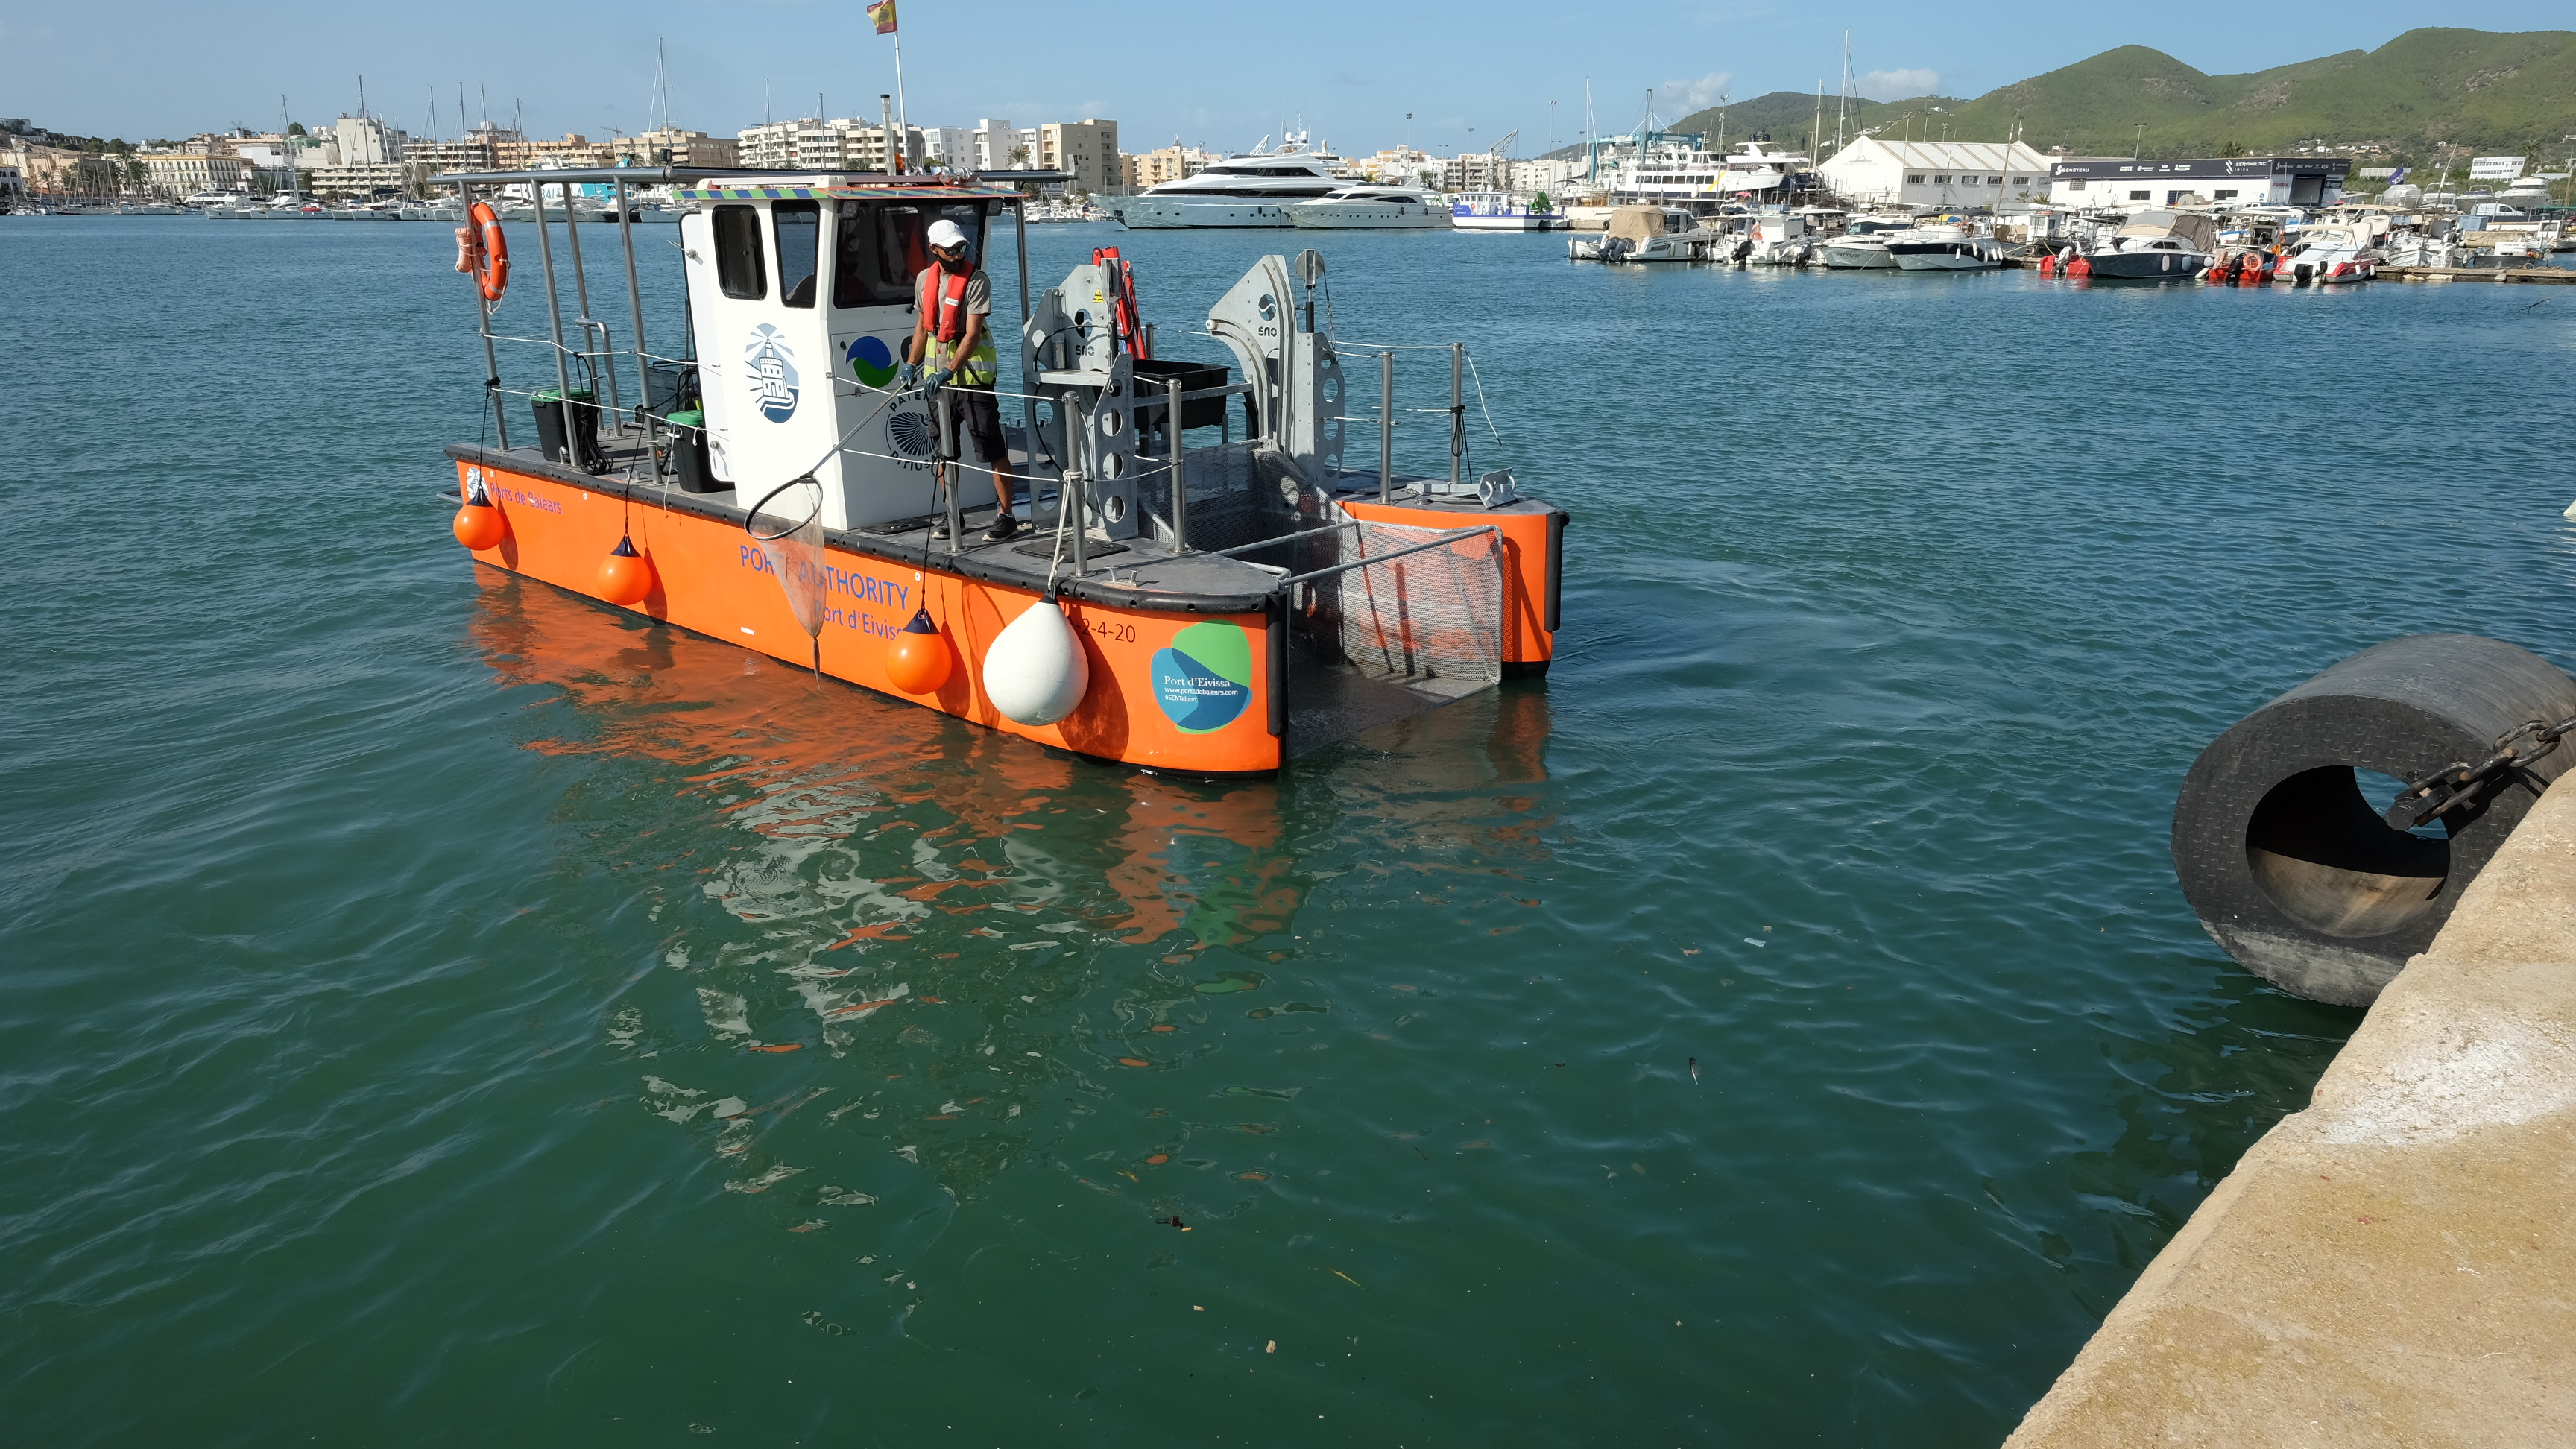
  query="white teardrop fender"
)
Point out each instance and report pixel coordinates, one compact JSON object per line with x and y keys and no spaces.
{"x":1035,"y":671}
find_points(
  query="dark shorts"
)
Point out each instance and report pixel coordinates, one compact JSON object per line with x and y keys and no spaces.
{"x":972,"y":412}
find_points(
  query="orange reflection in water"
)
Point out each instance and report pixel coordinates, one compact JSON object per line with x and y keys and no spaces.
{"x":793,"y":749}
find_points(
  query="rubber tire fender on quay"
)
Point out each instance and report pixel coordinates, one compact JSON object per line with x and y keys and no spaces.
{"x":2293,"y":871}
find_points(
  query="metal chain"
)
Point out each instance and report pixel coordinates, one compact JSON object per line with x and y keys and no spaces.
{"x":2416,"y":804}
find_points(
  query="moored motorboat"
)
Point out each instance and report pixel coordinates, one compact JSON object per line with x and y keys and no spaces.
{"x":2327,"y":255}
{"x":1944,"y":249}
{"x":1502,"y":211}
{"x":1640,"y":234}
{"x":1203,"y":608}
{"x":1367,"y":206}
{"x":2155,"y":246}
{"x":1863,"y":244}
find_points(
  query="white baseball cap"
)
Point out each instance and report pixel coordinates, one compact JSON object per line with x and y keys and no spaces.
{"x":945,"y":233}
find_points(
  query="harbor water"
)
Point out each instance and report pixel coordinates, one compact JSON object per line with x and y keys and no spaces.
{"x":440,"y":1010}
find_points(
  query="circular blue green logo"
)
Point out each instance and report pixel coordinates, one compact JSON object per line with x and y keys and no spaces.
{"x":872,"y":360}
{"x":1204,"y":680}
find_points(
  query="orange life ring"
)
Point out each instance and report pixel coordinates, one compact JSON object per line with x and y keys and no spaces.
{"x":489,"y":251}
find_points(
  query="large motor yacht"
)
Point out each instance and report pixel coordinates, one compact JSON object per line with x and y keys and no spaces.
{"x":1249,"y":190}
{"x":1366,"y":205}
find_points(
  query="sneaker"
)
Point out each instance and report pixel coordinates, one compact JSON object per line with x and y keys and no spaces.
{"x":1004,"y":527}
{"x":939,"y":526}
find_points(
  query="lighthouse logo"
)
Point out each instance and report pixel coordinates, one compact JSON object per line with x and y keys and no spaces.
{"x":771,"y":370}
{"x":1204,"y":680}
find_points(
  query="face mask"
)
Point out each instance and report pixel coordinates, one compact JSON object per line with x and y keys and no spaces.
{"x":955,"y":264}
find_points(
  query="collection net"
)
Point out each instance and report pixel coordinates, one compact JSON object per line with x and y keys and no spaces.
{"x":789,"y":529}
{"x":1434,"y":614}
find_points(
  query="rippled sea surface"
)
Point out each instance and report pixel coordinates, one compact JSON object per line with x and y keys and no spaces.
{"x":435,"y":1009}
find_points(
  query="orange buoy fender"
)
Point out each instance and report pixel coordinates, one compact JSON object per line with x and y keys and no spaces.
{"x":479,"y":524}
{"x":490,"y":251}
{"x":2048,"y":265}
{"x":625,"y":576}
{"x":1036,"y":672}
{"x":2080,"y":267}
{"x":919,"y":660}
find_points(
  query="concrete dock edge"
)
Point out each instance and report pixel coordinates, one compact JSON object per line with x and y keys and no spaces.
{"x":2395,"y":1265}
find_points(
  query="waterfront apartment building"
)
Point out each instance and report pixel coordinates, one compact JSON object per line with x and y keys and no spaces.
{"x":671,"y":146}
{"x":2129,"y":183}
{"x":1874,"y":171}
{"x":390,"y":177}
{"x":1398,"y":166}
{"x":1171,"y":163}
{"x":950,"y":146}
{"x":366,"y":141}
{"x":60,"y":171}
{"x":185,"y":173}
{"x":1086,"y":151}
{"x":1475,"y":171}
{"x":811,"y":143}
{"x":1000,"y":146}
{"x":13,"y":182}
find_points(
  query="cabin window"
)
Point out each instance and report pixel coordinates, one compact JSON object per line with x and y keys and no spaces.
{"x":739,"y":269}
{"x":882,"y":248}
{"x":800,"y":246}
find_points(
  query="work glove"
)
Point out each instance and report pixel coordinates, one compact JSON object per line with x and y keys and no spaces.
{"x":905,"y":379}
{"x":938,"y":378}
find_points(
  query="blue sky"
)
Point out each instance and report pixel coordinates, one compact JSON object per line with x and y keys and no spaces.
{"x":1220,"y":75}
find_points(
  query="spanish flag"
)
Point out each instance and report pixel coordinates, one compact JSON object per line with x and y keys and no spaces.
{"x":882,"y":12}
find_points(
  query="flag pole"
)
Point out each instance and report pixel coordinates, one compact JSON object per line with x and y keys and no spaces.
{"x":902,"y":138}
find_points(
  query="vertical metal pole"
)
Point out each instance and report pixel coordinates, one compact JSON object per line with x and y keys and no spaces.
{"x":1072,"y":498}
{"x":948,"y":468}
{"x":1457,"y":412}
{"x":1028,"y":360}
{"x":581,"y":289}
{"x":1386,"y":426}
{"x":1180,"y":484}
{"x":554,"y":320}
{"x":635,"y":307}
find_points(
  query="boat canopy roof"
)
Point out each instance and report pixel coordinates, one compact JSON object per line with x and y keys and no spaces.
{"x":2192,"y":227}
{"x":732,"y":183}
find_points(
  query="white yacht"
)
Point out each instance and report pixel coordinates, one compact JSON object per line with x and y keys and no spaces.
{"x":1676,"y":171}
{"x":1863,"y":244}
{"x":1366,"y":205}
{"x":1642,"y":234}
{"x":1944,"y":249}
{"x":1250,"y":190}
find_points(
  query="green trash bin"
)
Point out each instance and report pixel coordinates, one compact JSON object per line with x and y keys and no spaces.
{"x":584,"y":451}
{"x":687,"y":453}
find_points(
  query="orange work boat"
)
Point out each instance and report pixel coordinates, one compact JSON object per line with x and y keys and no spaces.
{"x":1198,"y":605}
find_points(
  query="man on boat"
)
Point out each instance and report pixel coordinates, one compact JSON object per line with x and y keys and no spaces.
{"x":953,"y":337}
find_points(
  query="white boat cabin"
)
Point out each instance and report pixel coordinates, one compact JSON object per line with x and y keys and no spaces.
{"x":797,"y":290}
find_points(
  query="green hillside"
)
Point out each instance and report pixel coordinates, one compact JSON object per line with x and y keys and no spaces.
{"x":2476,"y":92}
{"x":2473,"y":90}
{"x":1788,"y":116}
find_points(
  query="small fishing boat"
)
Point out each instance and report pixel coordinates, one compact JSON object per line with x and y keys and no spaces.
{"x":2327,"y":255}
{"x":1204,"y":606}
{"x":1640,"y":234}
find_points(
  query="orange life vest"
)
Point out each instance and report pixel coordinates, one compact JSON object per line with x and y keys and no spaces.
{"x":946,"y":314}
